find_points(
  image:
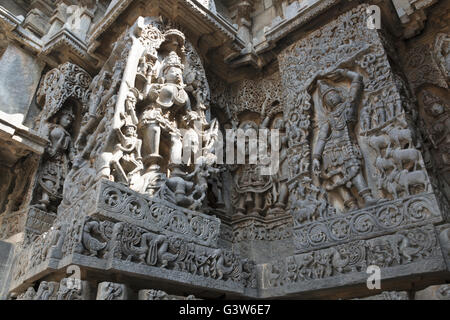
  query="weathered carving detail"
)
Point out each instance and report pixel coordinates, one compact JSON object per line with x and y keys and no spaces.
{"x":124,"y":241}
{"x":389,"y":295}
{"x":112,"y":291}
{"x":364,"y":223}
{"x":402,"y":248}
{"x":251,"y":228}
{"x":157,"y":215}
{"x":442,"y":54}
{"x":153,"y":294}
{"x":47,"y":291}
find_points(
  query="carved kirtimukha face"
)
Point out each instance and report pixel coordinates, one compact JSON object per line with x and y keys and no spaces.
{"x":332,"y":99}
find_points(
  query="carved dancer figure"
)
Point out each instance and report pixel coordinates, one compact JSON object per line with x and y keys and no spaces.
{"x":340,"y":155}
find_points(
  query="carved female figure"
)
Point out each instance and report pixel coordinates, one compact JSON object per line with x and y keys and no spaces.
{"x":57,"y":159}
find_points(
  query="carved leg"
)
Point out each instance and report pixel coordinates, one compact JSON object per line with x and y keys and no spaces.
{"x":104,"y":170}
{"x":258,"y":203}
{"x":44,"y":202}
{"x":176,"y":150}
{"x":363,"y":190}
{"x":152,"y":138}
{"x":349,"y":201}
{"x":283,"y":196}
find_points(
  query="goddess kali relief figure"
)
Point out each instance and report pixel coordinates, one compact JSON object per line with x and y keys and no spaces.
{"x":337,"y":159}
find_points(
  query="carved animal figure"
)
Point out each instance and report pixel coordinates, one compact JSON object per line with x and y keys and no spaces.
{"x":339,"y":261}
{"x":401,"y":137}
{"x":390,"y":184}
{"x":407,"y":179}
{"x":402,"y":156}
{"x":305,"y":210}
{"x":304,"y":266}
{"x":379,"y":142}
{"x":221,"y":264}
{"x":383,"y":165}
{"x":90,"y":243}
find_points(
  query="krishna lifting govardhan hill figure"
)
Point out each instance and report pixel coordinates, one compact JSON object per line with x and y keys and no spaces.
{"x":340,"y":154}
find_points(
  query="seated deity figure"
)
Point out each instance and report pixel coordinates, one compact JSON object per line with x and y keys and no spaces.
{"x":340,"y":154}
{"x":167,"y":98}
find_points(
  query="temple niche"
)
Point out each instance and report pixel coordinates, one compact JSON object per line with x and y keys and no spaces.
{"x":150,"y":107}
{"x":184,"y":150}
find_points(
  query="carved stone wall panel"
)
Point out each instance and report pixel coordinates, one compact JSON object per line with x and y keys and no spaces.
{"x":118,"y":202}
{"x":412,"y":251}
{"x":367,"y":223}
{"x":352,"y":149}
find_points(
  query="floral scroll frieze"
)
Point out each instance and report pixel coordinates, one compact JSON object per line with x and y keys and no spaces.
{"x":156,"y":214}
{"x":367,"y":222}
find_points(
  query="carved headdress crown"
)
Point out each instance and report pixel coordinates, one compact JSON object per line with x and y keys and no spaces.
{"x":173,"y":60}
{"x":324,"y":88}
{"x":176,"y":34}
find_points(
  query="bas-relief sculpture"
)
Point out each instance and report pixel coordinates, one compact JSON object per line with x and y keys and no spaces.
{"x":357,"y":184}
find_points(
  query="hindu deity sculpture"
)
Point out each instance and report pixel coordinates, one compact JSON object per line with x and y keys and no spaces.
{"x":167,"y":101}
{"x":337,"y":159}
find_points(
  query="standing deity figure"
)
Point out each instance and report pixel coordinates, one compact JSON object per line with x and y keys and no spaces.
{"x":250,"y":185}
{"x":336,"y":147}
{"x":380,"y":112}
{"x":365,"y":123}
{"x":166,"y":98}
{"x":56,"y":161}
{"x":280,"y":188}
